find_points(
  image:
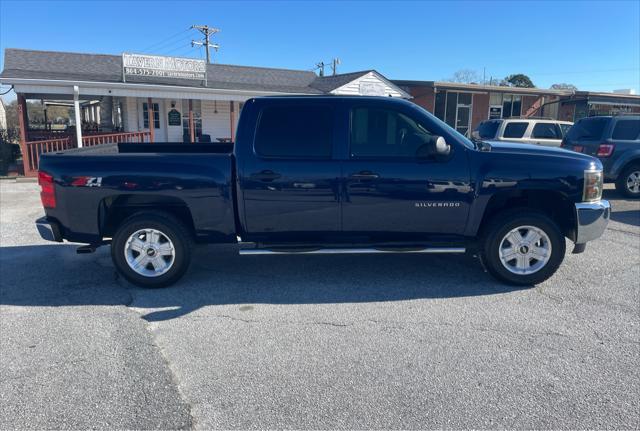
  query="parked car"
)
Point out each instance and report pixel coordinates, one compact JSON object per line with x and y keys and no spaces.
{"x":615,"y":140}
{"x":324,"y":175}
{"x":524,"y":130}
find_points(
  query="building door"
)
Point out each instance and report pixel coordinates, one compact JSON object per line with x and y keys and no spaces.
{"x":159,"y":119}
{"x":463,"y":114}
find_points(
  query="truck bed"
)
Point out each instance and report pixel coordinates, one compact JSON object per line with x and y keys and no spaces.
{"x":193,"y":181}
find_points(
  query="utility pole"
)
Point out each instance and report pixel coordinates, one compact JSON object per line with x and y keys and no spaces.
{"x":320,"y":67}
{"x":207,"y":32}
{"x":334,"y":66}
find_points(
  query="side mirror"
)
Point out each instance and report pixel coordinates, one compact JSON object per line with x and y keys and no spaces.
{"x":441,"y":146}
{"x":475,"y":134}
{"x":436,"y":147}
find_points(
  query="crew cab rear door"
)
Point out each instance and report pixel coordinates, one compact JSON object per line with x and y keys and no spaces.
{"x":289,"y":180}
{"x":390,"y":187}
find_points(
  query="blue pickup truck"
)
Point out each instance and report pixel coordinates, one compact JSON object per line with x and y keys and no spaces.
{"x":320,"y":175}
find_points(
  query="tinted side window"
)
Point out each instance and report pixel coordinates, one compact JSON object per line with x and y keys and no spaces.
{"x":626,"y":130}
{"x":515,"y":130}
{"x":546,"y":131}
{"x":588,"y":128}
{"x":295,"y":132}
{"x":488,"y":129}
{"x":386,"y":134}
{"x":564,"y":128}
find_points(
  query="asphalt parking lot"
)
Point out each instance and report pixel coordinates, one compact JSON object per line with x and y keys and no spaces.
{"x":392,"y":341}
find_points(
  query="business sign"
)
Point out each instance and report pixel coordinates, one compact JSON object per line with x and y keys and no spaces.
{"x":372,"y":89}
{"x":495,"y":112}
{"x":174,"y":118}
{"x":156,"y":66}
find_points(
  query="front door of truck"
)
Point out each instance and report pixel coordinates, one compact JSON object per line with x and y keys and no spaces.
{"x":289,"y":178}
{"x":392,"y":188}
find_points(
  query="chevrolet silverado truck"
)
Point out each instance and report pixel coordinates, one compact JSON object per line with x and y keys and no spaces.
{"x":326,"y":174}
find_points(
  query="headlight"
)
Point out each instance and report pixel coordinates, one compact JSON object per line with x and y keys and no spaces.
{"x":592,"y":186}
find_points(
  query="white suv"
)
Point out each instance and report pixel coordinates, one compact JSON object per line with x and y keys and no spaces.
{"x":525,"y":130}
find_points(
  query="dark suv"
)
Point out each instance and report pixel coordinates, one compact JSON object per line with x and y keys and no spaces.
{"x":616,"y":142}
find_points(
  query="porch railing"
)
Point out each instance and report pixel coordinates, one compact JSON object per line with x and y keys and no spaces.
{"x":31,"y":159}
{"x":33,"y":149}
{"x":114,"y":138}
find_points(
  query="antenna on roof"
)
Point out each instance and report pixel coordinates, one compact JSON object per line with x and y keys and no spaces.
{"x":320,"y":68}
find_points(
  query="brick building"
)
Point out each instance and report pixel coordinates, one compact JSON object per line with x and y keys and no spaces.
{"x":464,"y":106}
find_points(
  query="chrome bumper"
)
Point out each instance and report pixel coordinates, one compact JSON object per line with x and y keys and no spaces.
{"x":591,"y":220}
{"x":49,"y":230}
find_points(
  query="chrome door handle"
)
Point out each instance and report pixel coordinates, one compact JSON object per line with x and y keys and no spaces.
{"x":365,"y":175}
{"x":266,"y":176}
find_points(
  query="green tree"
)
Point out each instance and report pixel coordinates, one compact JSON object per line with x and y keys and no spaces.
{"x":519,"y":80}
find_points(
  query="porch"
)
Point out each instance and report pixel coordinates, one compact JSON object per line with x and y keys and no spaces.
{"x":109,"y":119}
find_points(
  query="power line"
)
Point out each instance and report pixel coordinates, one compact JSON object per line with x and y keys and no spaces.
{"x":165,"y":40}
{"x":176,"y":45}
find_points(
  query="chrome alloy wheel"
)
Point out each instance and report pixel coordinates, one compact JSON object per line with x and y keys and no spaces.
{"x":525,"y":250}
{"x":149,"y":252}
{"x":633,"y":182}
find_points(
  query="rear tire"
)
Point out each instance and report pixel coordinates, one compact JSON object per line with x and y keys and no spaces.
{"x":522,"y":247}
{"x":628,"y":182}
{"x":152,"y":249}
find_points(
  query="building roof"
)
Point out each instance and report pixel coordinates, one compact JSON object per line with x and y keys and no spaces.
{"x":71,"y":66}
{"x":52,"y":65}
{"x":326,"y":84}
{"x":480,"y":87}
{"x":517,"y":90}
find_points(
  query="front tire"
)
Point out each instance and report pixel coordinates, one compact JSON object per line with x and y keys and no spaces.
{"x":522,"y":247}
{"x":151,"y":249}
{"x":628,"y":182}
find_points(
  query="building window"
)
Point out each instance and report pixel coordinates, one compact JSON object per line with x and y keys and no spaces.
{"x":196,"y":107}
{"x":156,"y":115}
{"x":454,"y":108}
{"x":506,"y":105}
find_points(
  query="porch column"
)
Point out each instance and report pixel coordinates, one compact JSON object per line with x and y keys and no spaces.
{"x":192,"y":129}
{"x":232,"y":120}
{"x":22,"y":123}
{"x":152,"y":122}
{"x":76,"y":109}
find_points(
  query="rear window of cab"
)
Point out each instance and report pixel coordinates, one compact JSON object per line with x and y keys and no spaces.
{"x":588,"y":129}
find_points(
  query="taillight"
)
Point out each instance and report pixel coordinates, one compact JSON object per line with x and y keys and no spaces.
{"x":605,"y":150}
{"x":47,"y":193}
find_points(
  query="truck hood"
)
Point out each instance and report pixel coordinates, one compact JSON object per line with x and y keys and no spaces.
{"x":534,"y":150}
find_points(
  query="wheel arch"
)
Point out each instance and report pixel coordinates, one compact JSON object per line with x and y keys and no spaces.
{"x":555,"y":205}
{"x":113,"y":210}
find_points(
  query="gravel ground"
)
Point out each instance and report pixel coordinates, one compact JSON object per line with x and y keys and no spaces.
{"x":393,"y":341}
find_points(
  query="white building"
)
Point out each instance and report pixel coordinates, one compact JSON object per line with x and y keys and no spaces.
{"x":115,"y":102}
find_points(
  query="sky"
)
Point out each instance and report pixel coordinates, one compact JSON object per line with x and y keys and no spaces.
{"x":593,"y":45}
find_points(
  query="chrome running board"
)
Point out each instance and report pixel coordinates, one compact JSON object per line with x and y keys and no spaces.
{"x":246,"y":252}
